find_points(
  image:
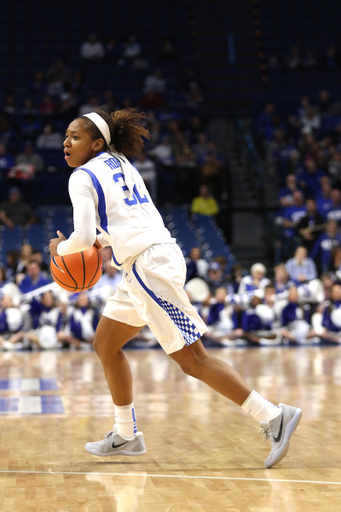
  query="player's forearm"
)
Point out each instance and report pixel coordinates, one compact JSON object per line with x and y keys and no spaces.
{"x":77,"y":242}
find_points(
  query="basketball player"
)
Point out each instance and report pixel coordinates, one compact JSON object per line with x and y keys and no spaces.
{"x":108,"y":193}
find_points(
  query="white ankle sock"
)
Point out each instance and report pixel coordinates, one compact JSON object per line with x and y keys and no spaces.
{"x":126,"y":421}
{"x":260,"y":408}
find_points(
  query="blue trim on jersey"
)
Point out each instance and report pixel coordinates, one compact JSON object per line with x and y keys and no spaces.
{"x":187,"y":329}
{"x":101,"y":199}
{"x":102,"y":212}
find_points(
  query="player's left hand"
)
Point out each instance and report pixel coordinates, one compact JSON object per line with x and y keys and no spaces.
{"x":54,"y":243}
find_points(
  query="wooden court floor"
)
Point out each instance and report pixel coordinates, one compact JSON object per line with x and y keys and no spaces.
{"x":204,"y":453}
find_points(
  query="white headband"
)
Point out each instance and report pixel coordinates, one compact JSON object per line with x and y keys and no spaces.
{"x":101,"y":125}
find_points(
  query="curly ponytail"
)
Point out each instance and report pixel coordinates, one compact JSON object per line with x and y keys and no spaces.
{"x":125,"y":128}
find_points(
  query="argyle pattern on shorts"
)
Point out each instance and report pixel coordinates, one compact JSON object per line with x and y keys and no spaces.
{"x":183,"y":323}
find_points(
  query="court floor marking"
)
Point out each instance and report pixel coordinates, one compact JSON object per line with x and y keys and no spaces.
{"x":191,"y":477}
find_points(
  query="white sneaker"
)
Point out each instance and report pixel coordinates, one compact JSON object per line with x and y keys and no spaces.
{"x":114,"y":444}
{"x":279,"y":432}
{"x":7,"y":345}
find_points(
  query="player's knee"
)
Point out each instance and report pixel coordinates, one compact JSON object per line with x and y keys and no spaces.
{"x":105,"y":347}
{"x":193,"y":365}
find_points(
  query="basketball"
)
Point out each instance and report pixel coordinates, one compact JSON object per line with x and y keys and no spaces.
{"x":77,"y":272}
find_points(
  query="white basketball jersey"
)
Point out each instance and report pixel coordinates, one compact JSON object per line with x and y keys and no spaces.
{"x":125,"y":213}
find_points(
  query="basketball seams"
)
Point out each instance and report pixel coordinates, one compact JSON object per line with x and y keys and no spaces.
{"x":56,"y":279}
{"x":73,"y":279}
{"x":98,"y":264}
{"x":82,"y":288}
{"x":77,"y":278}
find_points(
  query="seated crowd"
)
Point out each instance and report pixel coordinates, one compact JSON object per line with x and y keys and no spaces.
{"x":239,"y":308}
{"x":296,"y":307}
{"x":178,"y":155}
{"x":302,"y":153}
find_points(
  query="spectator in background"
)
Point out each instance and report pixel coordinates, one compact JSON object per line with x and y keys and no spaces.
{"x":30,"y":158}
{"x":92,"y":49}
{"x":310,"y":226}
{"x":196,"y":265}
{"x":295,"y":320}
{"x":334,"y":212}
{"x":9,"y":105}
{"x":47,"y":106}
{"x":309,"y":179}
{"x":37,"y":256}
{"x":15,"y":211}
{"x":211,"y":170}
{"x":331,"y":58}
{"x":273,"y":63}
{"x":29,"y":108}
{"x":201,"y":147}
{"x":59,"y":71}
{"x":12,"y":258}
{"x":324,"y":102}
{"x":215,"y":277}
{"x":34,"y":278}
{"x":38,"y":83}
{"x":147,"y":169}
{"x":255,"y":281}
{"x":132,"y":53}
{"x":322,"y":250}
{"x":324,"y":201}
{"x":292,"y":215}
{"x":264,"y":124}
{"x":46,"y":320}
{"x":222,"y":320}
{"x":258,"y":324}
{"x":11,"y":325}
{"x":235,"y":279}
{"x":50,"y":139}
{"x":163,"y":152}
{"x":281,"y":281}
{"x":155,"y":82}
{"x":335,"y":265}
{"x":81,"y":322}
{"x":25,"y":256}
{"x":151,"y":100}
{"x":92,"y":104}
{"x":334,"y":168}
{"x":7,"y":132}
{"x":301,"y":268}
{"x":310,"y":60}
{"x":293,"y":60}
{"x":326,"y":323}
{"x":286,"y":197}
{"x":30,"y":127}
{"x":6,"y":160}
{"x":55,"y":87}
{"x":68,"y":107}
{"x":204,"y":204}
{"x":311,"y":120}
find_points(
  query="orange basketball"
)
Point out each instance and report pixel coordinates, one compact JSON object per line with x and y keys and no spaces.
{"x":77,"y":272}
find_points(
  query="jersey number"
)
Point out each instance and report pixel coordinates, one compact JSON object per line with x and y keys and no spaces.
{"x":136,"y":196}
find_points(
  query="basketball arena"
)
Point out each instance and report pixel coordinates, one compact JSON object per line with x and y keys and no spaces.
{"x":170,"y":172}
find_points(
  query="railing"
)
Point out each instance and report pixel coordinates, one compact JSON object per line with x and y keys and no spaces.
{"x":255,"y":176}
{"x":248,"y":155}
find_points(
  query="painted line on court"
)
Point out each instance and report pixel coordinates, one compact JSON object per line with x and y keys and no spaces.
{"x":190,"y":477}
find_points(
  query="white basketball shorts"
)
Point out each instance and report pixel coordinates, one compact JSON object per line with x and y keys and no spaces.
{"x":152,"y":293}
